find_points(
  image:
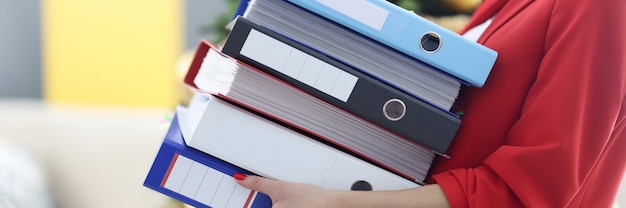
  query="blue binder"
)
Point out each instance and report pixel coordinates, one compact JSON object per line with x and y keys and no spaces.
{"x":241,"y":8}
{"x":411,"y":34}
{"x":201,"y":186}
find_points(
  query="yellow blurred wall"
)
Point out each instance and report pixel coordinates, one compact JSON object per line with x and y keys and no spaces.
{"x":111,"y":52}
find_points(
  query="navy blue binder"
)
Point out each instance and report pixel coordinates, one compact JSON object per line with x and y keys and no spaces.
{"x":197,"y":178}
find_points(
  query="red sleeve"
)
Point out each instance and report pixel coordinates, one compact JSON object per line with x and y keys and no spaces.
{"x":568,"y":136}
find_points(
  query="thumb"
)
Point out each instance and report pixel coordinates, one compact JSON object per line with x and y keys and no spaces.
{"x":260,"y":184}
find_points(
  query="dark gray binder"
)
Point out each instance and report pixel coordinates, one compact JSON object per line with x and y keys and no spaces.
{"x":370,"y":98}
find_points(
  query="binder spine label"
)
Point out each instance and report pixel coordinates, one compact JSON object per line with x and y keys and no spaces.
{"x":360,"y":10}
{"x":299,"y":65}
{"x":205,"y":185}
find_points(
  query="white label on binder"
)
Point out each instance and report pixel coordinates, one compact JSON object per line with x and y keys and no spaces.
{"x":208,"y":186}
{"x":299,"y":65}
{"x":360,"y":10}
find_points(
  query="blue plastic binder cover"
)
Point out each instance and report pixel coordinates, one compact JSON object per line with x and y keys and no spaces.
{"x":411,"y":34}
{"x":198,"y":179}
{"x":241,"y":8}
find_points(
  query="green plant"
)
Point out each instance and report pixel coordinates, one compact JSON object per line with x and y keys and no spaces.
{"x":412,"y":5}
{"x":218,"y":25}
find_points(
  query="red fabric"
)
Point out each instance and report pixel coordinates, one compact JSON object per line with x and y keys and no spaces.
{"x":547,"y":128}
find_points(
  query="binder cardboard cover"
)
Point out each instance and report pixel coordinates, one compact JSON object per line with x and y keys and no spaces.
{"x":275,"y":151}
{"x":365,"y":96}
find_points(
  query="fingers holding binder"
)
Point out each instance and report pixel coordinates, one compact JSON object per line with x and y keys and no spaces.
{"x":286,"y":194}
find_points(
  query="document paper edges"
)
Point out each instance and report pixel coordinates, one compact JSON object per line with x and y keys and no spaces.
{"x":263,"y":90}
{"x":216,"y":73}
{"x":263,"y":154}
{"x":299,"y":65}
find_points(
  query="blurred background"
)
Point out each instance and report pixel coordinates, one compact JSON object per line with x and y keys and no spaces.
{"x":86,"y":91}
{"x":87,"y":88}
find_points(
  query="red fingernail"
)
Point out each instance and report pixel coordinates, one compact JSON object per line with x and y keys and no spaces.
{"x":239,"y":176}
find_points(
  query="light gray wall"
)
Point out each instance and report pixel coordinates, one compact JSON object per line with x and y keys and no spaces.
{"x":20,"y":48}
{"x":198,"y":14}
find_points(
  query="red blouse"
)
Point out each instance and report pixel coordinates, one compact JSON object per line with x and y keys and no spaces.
{"x":547,"y":129}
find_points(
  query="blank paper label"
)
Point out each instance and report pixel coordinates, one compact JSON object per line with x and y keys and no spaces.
{"x":359,"y":10}
{"x":299,"y":65}
{"x":205,"y":185}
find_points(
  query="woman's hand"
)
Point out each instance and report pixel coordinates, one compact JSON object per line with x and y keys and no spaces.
{"x":292,"y":195}
{"x":285,"y":194}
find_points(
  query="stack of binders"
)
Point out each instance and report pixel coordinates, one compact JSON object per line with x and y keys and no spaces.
{"x":347,"y":95}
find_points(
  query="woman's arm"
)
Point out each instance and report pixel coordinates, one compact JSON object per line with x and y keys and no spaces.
{"x":285,"y":194}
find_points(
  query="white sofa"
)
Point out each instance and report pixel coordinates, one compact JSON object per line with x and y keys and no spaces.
{"x":92,"y":156}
